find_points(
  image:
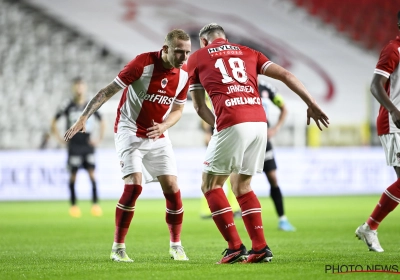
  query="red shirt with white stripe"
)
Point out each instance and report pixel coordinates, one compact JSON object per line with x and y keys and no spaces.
{"x":228,"y":72}
{"x":388,"y":66}
{"x":149,"y":92}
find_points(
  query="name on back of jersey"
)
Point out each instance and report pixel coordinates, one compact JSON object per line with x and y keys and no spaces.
{"x":242,"y":101}
{"x":240,"y":88}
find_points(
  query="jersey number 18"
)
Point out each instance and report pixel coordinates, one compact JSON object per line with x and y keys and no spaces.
{"x":238,"y":70}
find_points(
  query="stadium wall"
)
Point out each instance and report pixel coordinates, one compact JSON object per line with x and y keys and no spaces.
{"x":42,"y":175}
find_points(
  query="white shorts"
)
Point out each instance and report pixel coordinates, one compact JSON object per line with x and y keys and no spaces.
{"x":149,"y":157}
{"x":391,"y":146}
{"x":237,"y":149}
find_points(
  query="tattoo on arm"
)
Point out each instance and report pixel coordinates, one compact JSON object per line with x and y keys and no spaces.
{"x":100,"y":98}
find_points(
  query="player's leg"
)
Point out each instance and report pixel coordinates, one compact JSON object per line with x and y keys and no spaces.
{"x":390,"y":197}
{"x":96,"y":209}
{"x":223,"y":155}
{"x":89,"y":165}
{"x":74,"y":162}
{"x":222,"y":215}
{"x":173,"y":215}
{"x":269,"y":170}
{"x":128,"y":149}
{"x":160,"y":164}
{"x":254,"y":141}
{"x":205,"y":210}
{"x":124,"y":212}
{"x":251,"y":215}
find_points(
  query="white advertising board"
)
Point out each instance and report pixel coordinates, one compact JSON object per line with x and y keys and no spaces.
{"x":42,"y":175}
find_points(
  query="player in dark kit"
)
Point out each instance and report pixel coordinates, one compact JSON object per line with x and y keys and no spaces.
{"x":269,"y":92}
{"x":81,"y":148}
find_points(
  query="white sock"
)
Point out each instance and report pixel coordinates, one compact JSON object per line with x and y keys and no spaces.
{"x":282,"y":218}
{"x":175,"y":243}
{"x":118,"y":246}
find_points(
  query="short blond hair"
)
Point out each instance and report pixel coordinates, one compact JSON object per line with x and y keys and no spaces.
{"x":211,"y":28}
{"x":176,"y":34}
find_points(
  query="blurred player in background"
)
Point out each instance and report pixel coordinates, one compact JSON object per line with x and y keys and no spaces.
{"x":228,"y":72}
{"x":269,"y":92}
{"x":155,"y":90}
{"x":385,"y":87}
{"x":81,"y":148}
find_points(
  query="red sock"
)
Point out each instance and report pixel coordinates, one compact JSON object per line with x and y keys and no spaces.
{"x":388,"y":202}
{"x":125,"y":210}
{"x":222,"y":215}
{"x":251,"y":214}
{"x":174,"y":215}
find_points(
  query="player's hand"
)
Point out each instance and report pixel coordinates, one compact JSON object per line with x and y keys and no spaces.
{"x":94,"y":143}
{"x":395,"y":114}
{"x":155,"y":131}
{"x":314,"y":112}
{"x":79,"y":126}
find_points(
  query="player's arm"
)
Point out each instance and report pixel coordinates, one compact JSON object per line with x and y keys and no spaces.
{"x":314,"y":111}
{"x":278,"y":102}
{"x":200,"y":105}
{"x":155,"y":131}
{"x":94,"y":104}
{"x":379,"y":92}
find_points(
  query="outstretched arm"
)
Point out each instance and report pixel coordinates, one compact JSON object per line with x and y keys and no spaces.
{"x":94,"y":104}
{"x":379,"y":92}
{"x":314,"y":111}
{"x":199,"y":104}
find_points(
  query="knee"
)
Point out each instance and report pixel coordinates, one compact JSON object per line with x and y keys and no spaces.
{"x":272,"y":180}
{"x":133,"y":178}
{"x":130,"y":195}
{"x":72,"y":177}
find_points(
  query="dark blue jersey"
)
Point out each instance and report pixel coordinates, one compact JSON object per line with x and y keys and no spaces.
{"x":79,"y":144}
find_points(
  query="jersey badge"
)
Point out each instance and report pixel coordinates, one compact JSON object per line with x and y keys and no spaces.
{"x":164,"y":82}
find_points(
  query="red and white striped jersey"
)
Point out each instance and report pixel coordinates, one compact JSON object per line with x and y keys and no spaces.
{"x":228,"y":72}
{"x":388,"y":66}
{"x":149,"y":92}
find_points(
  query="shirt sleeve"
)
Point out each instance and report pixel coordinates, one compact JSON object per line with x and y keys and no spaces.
{"x":132,"y":71}
{"x":182,"y":96}
{"x":194,"y":79}
{"x":388,"y":61}
{"x":263,"y":62}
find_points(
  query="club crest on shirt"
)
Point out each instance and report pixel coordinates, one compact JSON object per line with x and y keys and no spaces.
{"x":122,"y":164}
{"x":164,"y":82}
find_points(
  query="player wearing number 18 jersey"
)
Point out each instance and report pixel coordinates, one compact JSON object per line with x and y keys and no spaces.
{"x":228,"y":72}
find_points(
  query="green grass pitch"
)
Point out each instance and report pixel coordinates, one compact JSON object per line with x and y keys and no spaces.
{"x":39,"y":240}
